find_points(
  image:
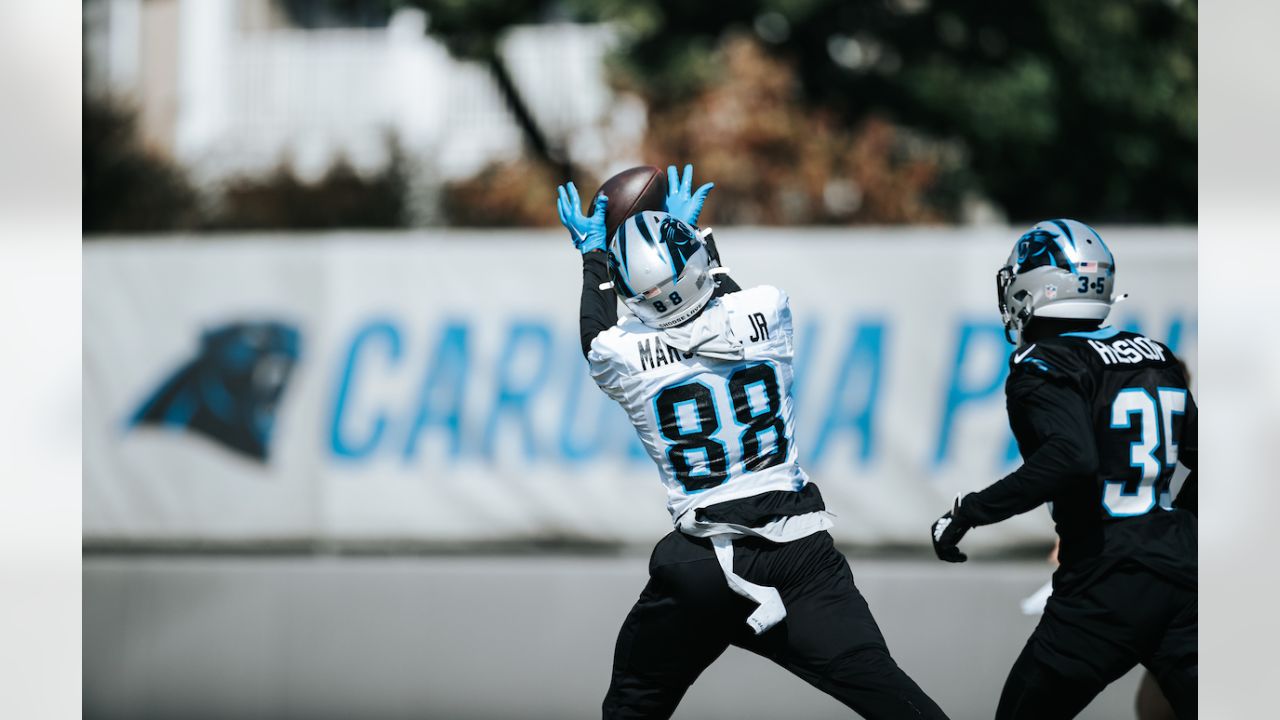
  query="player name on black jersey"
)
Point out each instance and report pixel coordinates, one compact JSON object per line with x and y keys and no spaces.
{"x":655,"y":353}
{"x":1127,"y":351}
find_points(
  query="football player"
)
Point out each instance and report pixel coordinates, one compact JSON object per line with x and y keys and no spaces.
{"x":1102,"y":417}
{"x":703,"y":369}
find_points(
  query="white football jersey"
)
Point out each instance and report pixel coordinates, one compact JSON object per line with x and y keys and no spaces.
{"x":710,"y":400}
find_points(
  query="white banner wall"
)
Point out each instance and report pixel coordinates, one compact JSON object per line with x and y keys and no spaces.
{"x":429,"y":387}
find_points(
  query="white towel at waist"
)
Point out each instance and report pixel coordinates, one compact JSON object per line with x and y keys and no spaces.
{"x":786,"y":529}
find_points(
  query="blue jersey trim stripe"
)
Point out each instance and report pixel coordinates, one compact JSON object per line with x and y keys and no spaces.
{"x":1103,"y":333}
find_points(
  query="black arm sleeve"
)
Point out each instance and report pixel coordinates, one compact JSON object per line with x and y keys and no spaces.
{"x":724,"y":283}
{"x":1055,"y":420}
{"x":598,"y":310}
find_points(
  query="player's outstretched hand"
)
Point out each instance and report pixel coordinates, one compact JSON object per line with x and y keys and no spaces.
{"x":586,"y":231}
{"x":682,"y":201}
{"x":948,"y":530}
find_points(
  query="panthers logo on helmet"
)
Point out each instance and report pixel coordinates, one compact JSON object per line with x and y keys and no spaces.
{"x":1039,"y":248}
{"x":229,"y":392}
{"x":681,"y":243}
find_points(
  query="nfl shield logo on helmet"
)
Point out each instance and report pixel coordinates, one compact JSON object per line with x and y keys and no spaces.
{"x":1051,"y":291}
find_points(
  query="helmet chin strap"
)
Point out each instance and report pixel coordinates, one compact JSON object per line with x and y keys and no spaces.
{"x":1020,"y":320}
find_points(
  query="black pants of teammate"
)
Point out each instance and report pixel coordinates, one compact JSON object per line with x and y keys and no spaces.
{"x":1092,"y":635}
{"x":687,"y":615}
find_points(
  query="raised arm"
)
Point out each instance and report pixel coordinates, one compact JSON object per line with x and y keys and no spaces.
{"x":598,"y":309}
{"x":686,"y":204}
{"x":724,"y":283}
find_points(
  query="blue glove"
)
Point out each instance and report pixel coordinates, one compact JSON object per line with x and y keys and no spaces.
{"x":587,"y":232}
{"x":682,"y":203}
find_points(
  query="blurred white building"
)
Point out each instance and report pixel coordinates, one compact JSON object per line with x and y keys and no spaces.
{"x":231,"y":87}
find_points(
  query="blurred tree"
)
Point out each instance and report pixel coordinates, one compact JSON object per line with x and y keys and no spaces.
{"x":125,"y":187}
{"x":877,"y":111}
{"x":1084,"y":108}
{"x":471,"y":29}
{"x":777,"y":162}
{"x":512,"y":194}
{"x":341,"y":198}
{"x":312,"y":14}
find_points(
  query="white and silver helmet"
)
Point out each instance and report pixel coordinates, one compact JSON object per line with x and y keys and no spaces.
{"x":660,"y":268}
{"x":1059,"y":269}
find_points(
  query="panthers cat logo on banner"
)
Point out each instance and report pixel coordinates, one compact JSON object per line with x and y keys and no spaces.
{"x":230,"y":391}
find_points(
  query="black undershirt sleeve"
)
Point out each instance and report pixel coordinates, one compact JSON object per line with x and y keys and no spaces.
{"x":725,"y":285}
{"x":1057,"y":419}
{"x":598,"y":310}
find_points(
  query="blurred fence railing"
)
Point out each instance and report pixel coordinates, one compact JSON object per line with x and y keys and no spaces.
{"x":228,"y":99}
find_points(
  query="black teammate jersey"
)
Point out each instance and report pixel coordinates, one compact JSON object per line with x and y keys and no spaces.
{"x":1102,"y":418}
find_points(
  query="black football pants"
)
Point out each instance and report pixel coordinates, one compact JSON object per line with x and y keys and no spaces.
{"x":687,"y":615}
{"x":1091,"y":636}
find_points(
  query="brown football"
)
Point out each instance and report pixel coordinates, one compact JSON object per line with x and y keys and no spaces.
{"x":630,"y":192}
